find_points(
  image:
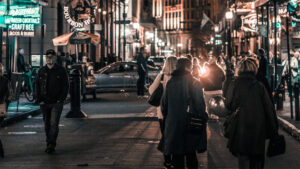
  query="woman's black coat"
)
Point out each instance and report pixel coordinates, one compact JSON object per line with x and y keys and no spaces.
{"x":174,"y":109}
{"x":257,"y":119}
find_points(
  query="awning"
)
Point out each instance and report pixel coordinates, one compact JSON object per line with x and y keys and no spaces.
{"x":79,"y":38}
{"x":260,"y":2}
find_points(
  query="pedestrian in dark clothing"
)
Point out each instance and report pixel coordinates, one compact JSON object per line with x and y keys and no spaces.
{"x":256,"y":118}
{"x":142,"y":72}
{"x":52,"y":86}
{"x":163,"y":78}
{"x":262,"y":72}
{"x":21,"y":60}
{"x":177,"y":141}
{"x":5,"y":98}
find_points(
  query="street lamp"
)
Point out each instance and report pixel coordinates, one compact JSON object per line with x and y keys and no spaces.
{"x":179,"y":45}
{"x":228,"y":16}
{"x":136,"y":26}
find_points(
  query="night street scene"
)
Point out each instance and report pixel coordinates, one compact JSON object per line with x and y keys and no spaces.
{"x":149,"y":84}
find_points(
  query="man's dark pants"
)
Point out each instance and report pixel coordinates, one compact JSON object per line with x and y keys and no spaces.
{"x":51,"y":116}
{"x":141,"y":83}
{"x":191,"y":161}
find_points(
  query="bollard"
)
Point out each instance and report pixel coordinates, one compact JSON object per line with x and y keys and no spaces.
{"x":279,"y":97}
{"x":75,"y":111}
{"x":296,"y":93}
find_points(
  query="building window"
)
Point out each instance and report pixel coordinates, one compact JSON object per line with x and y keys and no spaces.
{"x":166,"y":2}
{"x":193,"y":14}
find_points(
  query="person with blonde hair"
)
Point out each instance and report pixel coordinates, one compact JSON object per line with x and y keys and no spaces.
{"x":163,"y":77}
{"x":255,"y":115}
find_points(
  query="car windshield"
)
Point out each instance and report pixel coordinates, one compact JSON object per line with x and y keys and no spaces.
{"x":158,"y":59}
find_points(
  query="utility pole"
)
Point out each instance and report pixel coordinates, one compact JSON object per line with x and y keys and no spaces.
{"x":111,"y":30}
{"x":7,"y":43}
{"x":102,"y":63}
{"x":92,"y":29}
{"x":1,"y":34}
{"x":124,"y":38}
{"x":289,"y":64}
{"x":275,"y":43}
{"x":119,"y":26}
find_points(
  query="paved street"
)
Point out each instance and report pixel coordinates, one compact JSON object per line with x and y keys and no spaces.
{"x":120,"y":133}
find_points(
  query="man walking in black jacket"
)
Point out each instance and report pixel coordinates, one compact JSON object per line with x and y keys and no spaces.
{"x":52,"y":87}
{"x":142,"y":72}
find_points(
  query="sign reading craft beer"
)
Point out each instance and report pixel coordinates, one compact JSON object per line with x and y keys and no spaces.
{"x":21,"y":19}
{"x":79,"y":13}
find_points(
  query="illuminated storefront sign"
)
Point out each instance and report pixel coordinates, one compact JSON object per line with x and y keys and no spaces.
{"x":21,"y":19}
{"x":81,"y":15}
{"x":249,"y":23}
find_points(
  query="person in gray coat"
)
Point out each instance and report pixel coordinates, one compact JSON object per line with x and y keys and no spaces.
{"x":177,"y":140}
{"x":256,"y":120}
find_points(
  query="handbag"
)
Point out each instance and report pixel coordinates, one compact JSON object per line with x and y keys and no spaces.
{"x":196,"y":120}
{"x":156,"y":96}
{"x":3,"y":110}
{"x":230,"y":124}
{"x":276,"y":146}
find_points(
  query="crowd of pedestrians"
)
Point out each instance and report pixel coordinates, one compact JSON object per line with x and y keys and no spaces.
{"x":247,"y":97}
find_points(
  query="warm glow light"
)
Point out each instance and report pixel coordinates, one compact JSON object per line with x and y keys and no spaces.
{"x":217,"y":29}
{"x":149,"y":35}
{"x":229,"y":15}
{"x":179,"y":45}
{"x":136,"y":25}
{"x":203,"y":70}
{"x":104,"y":12}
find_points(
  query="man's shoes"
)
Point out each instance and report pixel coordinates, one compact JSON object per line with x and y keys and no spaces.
{"x":168,"y":165}
{"x":50,"y":150}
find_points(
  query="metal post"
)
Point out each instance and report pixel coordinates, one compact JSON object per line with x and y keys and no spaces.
{"x":42,"y":39}
{"x":124,"y":37}
{"x":92,"y":46}
{"x":102,"y":63}
{"x":119,"y":26}
{"x":1,"y":34}
{"x":275,"y":43}
{"x":29,"y":50}
{"x":296,"y":92}
{"x":106,"y":33}
{"x":111,"y":30}
{"x":75,"y":111}
{"x":7,"y":43}
{"x":268,"y":42}
{"x":289,"y":62}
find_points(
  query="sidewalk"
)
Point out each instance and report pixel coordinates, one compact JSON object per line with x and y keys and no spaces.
{"x":19,"y":111}
{"x":289,"y":125}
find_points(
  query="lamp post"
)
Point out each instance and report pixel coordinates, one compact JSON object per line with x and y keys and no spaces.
{"x":136,"y":26}
{"x":179,"y":45}
{"x":228,"y":16}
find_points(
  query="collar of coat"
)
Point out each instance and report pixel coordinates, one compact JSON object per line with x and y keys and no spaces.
{"x":180,"y":72}
{"x":247,"y":75}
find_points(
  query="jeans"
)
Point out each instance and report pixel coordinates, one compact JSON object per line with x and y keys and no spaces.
{"x":51,"y":116}
{"x":251,"y":161}
{"x":140,"y":84}
{"x":191,"y":161}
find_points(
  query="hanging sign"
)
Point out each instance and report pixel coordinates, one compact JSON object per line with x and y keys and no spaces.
{"x":79,"y":13}
{"x":249,"y":23}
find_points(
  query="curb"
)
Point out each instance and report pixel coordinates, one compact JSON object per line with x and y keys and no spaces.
{"x":22,"y":116}
{"x":289,"y":128}
{"x":19,"y":117}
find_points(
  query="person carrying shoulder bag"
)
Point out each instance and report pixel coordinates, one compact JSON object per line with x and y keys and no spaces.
{"x":163,"y":77}
{"x":5,"y":98}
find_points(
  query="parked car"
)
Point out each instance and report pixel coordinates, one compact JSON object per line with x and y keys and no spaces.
{"x":122,"y":76}
{"x":158,"y":61}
